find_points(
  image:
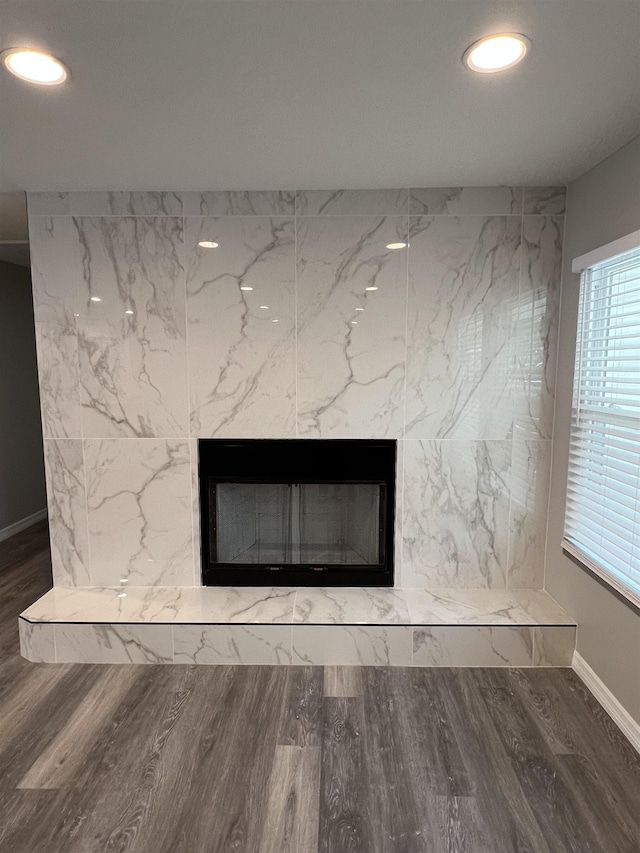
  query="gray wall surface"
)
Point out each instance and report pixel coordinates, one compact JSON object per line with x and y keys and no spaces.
{"x":22,"y":489}
{"x":603,"y":205}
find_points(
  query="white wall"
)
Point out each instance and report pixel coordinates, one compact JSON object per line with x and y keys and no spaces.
{"x":602,"y":205}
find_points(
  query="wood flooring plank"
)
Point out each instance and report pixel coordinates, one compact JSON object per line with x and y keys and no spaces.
{"x":301,"y":721}
{"x":402,"y":805}
{"x":139,"y":788}
{"x":500,"y":796}
{"x":343,"y":681}
{"x":612,"y":827}
{"x":346,"y":825}
{"x":236,"y":756}
{"x":59,"y":763}
{"x":293,"y":810}
{"x":40,"y":710}
{"x":614,"y":783}
{"x":550,"y":798}
{"x":598,"y":727}
{"x":463,"y":826}
{"x":17,"y":815}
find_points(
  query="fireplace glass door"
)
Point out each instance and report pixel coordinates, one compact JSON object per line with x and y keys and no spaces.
{"x":297,"y":523}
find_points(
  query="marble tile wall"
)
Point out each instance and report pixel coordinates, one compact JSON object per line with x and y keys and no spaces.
{"x":302,"y":323}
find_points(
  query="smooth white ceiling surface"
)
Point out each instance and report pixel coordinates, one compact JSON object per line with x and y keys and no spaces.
{"x":356,"y":93}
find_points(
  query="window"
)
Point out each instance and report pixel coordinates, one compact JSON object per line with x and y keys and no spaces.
{"x":602,"y":521}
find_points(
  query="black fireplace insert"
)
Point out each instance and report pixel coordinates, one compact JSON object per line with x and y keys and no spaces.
{"x":308,"y":512}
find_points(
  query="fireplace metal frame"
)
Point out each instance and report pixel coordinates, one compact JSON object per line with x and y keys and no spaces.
{"x":292,"y":461}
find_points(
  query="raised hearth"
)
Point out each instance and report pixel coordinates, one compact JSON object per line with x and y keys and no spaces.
{"x":303,"y":626}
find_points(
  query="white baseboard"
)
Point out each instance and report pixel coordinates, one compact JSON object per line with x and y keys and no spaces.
{"x":17,"y":526}
{"x":620,"y":716}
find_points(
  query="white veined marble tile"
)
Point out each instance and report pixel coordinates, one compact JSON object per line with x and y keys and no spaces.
{"x":37,"y":642}
{"x":48,"y":204}
{"x":530,"y":483}
{"x":139,"y":511}
{"x":466,"y":606}
{"x":351,"y":362}
{"x":66,"y":501}
{"x":232,"y":644}
{"x":57,"y":352}
{"x":545,"y":200}
{"x":554,"y":645}
{"x":345,"y":605}
{"x":133,"y":368}
{"x":239,"y":203}
{"x":535,"y":331}
{"x":125,"y":204}
{"x":355,"y":645}
{"x":114,"y":643}
{"x":248,"y":604}
{"x":463,"y":294}
{"x":352,"y":202}
{"x":456,"y":645}
{"x":462,"y":201}
{"x":241,"y":342}
{"x":56,"y":298}
{"x":456,"y":510}
{"x":541,"y":607}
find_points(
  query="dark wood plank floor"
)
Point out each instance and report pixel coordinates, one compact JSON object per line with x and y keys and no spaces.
{"x":186,"y":759}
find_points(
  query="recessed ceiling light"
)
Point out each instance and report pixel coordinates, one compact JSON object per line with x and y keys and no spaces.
{"x":208,"y":244}
{"x":34,"y":66}
{"x":96,"y":299}
{"x":396,"y":245}
{"x":245,"y":287}
{"x":496,"y":52}
{"x":371,"y":288}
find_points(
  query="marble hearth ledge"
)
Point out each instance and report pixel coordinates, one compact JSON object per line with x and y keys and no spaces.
{"x":304,"y":626}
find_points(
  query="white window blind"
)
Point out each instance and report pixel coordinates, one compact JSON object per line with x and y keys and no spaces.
{"x":602,"y":520}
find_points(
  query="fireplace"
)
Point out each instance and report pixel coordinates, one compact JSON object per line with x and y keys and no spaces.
{"x":297,"y":512}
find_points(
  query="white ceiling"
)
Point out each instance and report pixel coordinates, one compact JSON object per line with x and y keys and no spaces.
{"x":239,"y":94}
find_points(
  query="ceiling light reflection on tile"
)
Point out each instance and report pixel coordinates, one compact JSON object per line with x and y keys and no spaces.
{"x":371,"y":288}
{"x":208,"y":244}
{"x":96,"y":299}
{"x":397,"y":245}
